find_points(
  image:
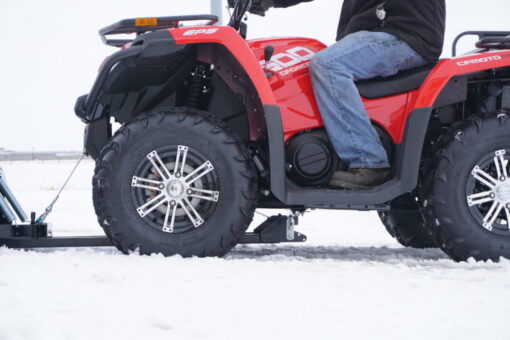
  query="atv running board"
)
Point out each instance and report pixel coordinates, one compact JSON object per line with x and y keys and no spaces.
{"x":275,"y":229}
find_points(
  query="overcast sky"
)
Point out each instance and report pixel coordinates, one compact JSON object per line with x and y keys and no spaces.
{"x":51,"y":53}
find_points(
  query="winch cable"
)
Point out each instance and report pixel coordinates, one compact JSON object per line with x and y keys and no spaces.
{"x":48,"y":210}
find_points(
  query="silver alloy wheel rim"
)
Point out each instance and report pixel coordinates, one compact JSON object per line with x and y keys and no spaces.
{"x":494,"y":198}
{"x":176,"y":189}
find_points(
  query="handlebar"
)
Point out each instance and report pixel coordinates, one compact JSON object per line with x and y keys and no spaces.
{"x":240,"y":9}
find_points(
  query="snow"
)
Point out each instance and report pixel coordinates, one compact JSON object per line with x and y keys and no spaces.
{"x":349,"y":280}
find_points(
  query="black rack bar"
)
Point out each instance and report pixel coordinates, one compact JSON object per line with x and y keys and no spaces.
{"x":142,"y":25}
{"x":481,"y":35}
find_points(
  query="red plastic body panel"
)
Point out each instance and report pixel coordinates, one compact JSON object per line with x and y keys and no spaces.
{"x":290,"y":86}
{"x":294,"y":93}
{"x":239,"y":48}
{"x":449,"y":68}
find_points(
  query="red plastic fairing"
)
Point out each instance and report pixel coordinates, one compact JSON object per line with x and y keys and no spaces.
{"x":294,"y":93}
{"x":447,"y":69}
{"x":229,"y":38}
{"x":291,"y":81}
{"x":290,"y":85}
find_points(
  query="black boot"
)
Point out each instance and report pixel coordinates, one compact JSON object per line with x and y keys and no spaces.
{"x":360,"y":179}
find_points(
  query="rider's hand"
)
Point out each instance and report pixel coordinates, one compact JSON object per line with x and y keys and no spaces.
{"x":260,"y":7}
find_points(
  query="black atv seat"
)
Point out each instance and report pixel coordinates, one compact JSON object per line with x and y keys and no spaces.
{"x":388,"y":86}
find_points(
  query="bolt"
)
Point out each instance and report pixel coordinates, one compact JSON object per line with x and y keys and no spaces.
{"x":508,"y":205}
{"x":172,"y":203}
{"x":492,"y":195}
{"x":161,"y":186}
{"x":178,"y":175}
{"x":189,"y":191}
{"x":502,"y":179}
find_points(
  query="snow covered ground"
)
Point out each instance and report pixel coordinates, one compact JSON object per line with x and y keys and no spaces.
{"x":350,"y":281}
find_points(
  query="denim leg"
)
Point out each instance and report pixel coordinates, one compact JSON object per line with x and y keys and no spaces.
{"x":334,"y":70}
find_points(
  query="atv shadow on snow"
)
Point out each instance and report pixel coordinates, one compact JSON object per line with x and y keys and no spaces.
{"x":364,"y":254}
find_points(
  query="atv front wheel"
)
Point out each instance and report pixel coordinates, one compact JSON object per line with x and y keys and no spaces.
{"x":176,"y":181}
{"x":405,"y":223}
{"x":468,"y":199}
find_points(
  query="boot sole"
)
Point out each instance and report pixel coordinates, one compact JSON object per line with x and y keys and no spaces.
{"x":348,"y":185}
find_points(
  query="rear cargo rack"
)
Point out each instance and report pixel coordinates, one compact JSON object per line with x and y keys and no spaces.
{"x":487,"y":40}
{"x":142,"y":25}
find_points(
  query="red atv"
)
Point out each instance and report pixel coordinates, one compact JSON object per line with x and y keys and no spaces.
{"x":215,"y":126}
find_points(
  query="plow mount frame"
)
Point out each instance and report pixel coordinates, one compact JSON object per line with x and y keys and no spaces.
{"x":17,"y":233}
{"x":276,"y":229}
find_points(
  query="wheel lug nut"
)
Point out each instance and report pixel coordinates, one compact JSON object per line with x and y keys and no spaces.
{"x":492,"y":195}
{"x":172,"y":203}
{"x":161,"y":186}
{"x":189,"y":191}
{"x":178,"y":175}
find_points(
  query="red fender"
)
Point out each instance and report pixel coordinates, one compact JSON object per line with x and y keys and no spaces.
{"x":236,"y":45}
{"x":449,"y":68}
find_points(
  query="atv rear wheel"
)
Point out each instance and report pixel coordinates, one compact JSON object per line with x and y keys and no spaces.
{"x":467,"y":200}
{"x":176,"y":181}
{"x":405,"y":223}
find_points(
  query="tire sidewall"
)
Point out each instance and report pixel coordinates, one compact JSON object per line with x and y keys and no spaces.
{"x":139,"y":138}
{"x":462,"y":236}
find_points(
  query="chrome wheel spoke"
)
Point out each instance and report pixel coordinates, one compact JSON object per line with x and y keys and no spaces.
{"x":208,"y":195}
{"x":481,"y":197}
{"x":158,"y":165}
{"x":193,"y":215}
{"x":484,"y":177}
{"x":500,"y":162}
{"x":145,"y":183}
{"x":169,"y":228}
{"x":492,"y":215}
{"x":180,"y":160}
{"x":151,"y":205}
{"x":507,"y":212}
{"x":199,"y":172}
{"x":172,"y":189}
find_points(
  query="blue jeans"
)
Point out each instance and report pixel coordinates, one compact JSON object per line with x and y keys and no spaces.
{"x":361,"y":55}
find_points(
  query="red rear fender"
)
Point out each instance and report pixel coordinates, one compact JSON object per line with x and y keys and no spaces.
{"x":449,"y":68}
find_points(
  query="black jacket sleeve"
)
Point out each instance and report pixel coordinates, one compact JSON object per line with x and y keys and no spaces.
{"x":288,"y":3}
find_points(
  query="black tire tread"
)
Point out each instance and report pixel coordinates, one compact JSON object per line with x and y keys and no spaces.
{"x":114,"y":150}
{"x":435,"y":208}
{"x":408,"y":228}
